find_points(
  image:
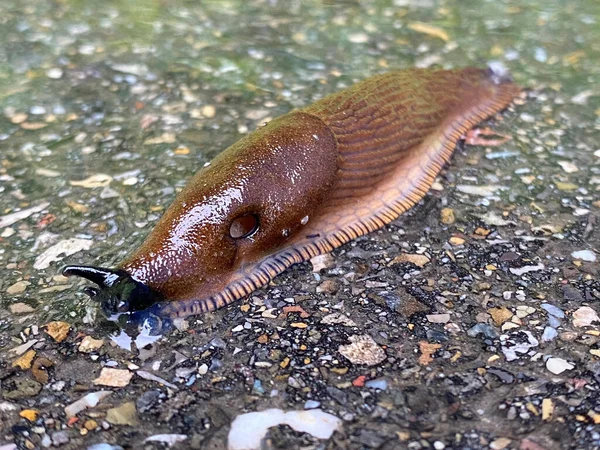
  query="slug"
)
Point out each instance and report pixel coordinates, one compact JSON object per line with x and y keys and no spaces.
{"x":304,"y":184}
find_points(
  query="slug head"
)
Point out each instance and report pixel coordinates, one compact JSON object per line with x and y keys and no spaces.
{"x":117,"y":290}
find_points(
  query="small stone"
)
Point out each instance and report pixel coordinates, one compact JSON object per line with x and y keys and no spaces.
{"x":500,"y":443}
{"x":24,"y":362}
{"x":124,"y":414}
{"x":584,"y":317}
{"x":482,"y":191}
{"x":584,"y":255}
{"x":54,"y":73}
{"x":549,"y":334}
{"x":547,"y":409}
{"x":483,"y":328}
{"x":358,"y":38}
{"x":30,"y":414}
{"x":328,"y":287}
{"x":438,"y":318}
{"x":209,"y":111}
{"x":568,"y":166}
{"x":57,"y":330}
{"x":338,"y":319}
{"x":17,"y":288}
{"x":87,"y":401}
{"x":59,"y":438}
{"x":88,"y":344}
{"x":37,"y":110}
{"x":558,"y":365}
{"x":362,"y":350}
{"x":378,"y":383}
{"x":321,"y":262}
{"x":95,"y":181}
{"x":114,"y":377}
{"x":21,"y":308}
{"x":18,"y":118}
{"x":500,"y":315}
{"x":165,"y":138}
{"x":427,"y":351}
{"x":526,"y":269}
{"x":553,"y":310}
{"x":67,"y":247}
{"x":90,"y":425}
{"x":447,"y":216}
{"x":455,"y":241}
{"x":417,"y":260}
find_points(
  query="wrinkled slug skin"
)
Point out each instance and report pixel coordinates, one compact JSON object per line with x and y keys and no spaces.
{"x":349,"y":164}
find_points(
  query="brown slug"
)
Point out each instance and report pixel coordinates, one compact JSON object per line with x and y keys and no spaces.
{"x":304,"y":184}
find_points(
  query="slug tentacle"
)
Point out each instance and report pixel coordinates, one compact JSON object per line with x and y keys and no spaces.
{"x":307,"y":183}
{"x":117,"y":291}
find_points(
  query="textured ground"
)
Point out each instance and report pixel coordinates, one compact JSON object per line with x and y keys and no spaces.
{"x":476,"y":312}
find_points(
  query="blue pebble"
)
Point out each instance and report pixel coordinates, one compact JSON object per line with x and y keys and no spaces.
{"x":378,"y":383}
{"x":549,"y":334}
{"x":553,"y":310}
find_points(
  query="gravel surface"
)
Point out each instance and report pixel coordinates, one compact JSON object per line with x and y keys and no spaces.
{"x":469,"y":323}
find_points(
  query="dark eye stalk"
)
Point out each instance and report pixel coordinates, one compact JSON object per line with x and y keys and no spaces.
{"x":117,"y":291}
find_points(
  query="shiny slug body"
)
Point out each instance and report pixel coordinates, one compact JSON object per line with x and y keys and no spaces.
{"x":304,"y":184}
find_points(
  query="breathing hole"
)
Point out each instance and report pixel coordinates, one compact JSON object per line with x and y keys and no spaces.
{"x":243,"y":226}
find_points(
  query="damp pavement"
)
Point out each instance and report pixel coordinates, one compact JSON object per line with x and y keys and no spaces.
{"x":470,"y":322}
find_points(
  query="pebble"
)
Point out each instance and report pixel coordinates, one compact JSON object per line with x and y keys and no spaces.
{"x":568,"y":166}
{"x":584,"y":317}
{"x":124,"y":414}
{"x":500,"y":443}
{"x":549,"y":334}
{"x":311,"y":404}
{"x":113,"y":377}
{"x":553,"y":310}
{"x":513,"y":346}
{"x":37,"y":110}
{"x":18,"y":288}
{"x":66,"y":247}
{"x":483,"y":328}
{"x":447,"y":216}
{"x":438,"y":318}
{"x":59,"y":438}
{"x":88,"y":344}
{"x":362,"y":350}
{"x":378,"y":383}
{"x":416,"y":259}
{"x":321,"y":262}
{"x":526,"y":269}
{"x":524,"y":311}
{"x":584,"y":255}
{"x":104,"y":446}
{"x":248,"y":430}
{"x":54,"y":73}
{"x":9,"y":219}
{"x":87,"y":401}
{"x":57,"y":330}
{"x":558,"y":365}
{"x":338,"y":319}
{"x":20,"y":308}
{"x":168,"y":439}
{"x":482,"y":191}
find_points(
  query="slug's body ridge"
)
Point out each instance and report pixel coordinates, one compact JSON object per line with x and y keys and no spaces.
{"x":304,"y":184}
